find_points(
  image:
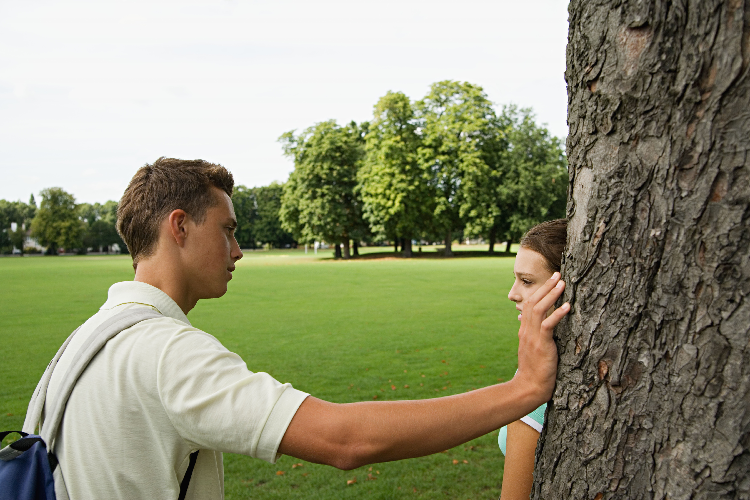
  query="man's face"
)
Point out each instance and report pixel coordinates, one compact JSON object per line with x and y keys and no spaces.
{"x":212,"y":250}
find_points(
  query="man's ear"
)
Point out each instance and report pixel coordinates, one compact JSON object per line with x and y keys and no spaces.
{"x":177,"y":221}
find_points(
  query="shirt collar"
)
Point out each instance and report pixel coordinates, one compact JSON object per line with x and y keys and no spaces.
{"x":137,"y":292}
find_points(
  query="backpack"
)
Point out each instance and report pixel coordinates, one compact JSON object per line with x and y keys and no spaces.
{"x":28,"y":467}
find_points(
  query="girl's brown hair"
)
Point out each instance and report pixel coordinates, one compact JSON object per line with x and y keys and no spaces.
{"x":157,"y":189}
{"x":548,"y":240}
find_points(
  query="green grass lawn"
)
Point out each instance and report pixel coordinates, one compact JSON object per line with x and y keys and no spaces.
{"x":344,"y":331}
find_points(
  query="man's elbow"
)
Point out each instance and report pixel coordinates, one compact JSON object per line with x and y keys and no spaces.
{"x":351,"y":456}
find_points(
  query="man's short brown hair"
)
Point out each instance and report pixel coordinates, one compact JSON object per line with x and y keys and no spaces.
{"x":160,"y":188}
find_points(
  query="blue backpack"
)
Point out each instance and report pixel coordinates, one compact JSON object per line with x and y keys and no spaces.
{"x":28,"y":467}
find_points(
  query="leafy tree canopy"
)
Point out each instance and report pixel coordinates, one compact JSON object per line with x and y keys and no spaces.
{"x":56,"y":223}
{"x":398,"y":200}
{"x":319,"y":200}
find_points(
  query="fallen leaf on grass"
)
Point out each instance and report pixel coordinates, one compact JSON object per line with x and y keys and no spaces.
{"x":393,"y":387}
{"x":455,"y":461}
{"x":406,"y":386}
{"x":370,"y":477}
{"x":375,"y":396}
{"x":423,"y":375}
{"x":466,"y":461}
{"x":297,"y":465}
{"x":351,"y":481}
{"x":280,"y":472}
{"x":306,"y":474}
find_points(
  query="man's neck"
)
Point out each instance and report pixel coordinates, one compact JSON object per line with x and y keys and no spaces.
{"x":160,"y":273}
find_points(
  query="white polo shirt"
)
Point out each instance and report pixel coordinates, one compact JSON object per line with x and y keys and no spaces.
{"x":155,"y":393}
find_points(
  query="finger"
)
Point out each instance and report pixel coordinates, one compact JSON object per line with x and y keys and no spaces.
{"x":553,"y":319}
{"x":544,"y":303}
{"x":543,"y":290}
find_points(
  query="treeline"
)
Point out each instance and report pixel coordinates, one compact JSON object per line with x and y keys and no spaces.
{"x":58,"y":223}
{"x":449,"y":166}
{"x":443,"y":167}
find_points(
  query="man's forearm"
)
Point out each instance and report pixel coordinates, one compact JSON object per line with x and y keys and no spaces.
{"x":351,"y":435}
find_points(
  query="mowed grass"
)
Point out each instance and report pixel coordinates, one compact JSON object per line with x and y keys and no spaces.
{"x":360,"y":330}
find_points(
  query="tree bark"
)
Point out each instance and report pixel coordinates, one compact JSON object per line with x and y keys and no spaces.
{"x":492,"y":236}
{"x":347,"y":254}
{"x":355,"y":248}
{"x":337,"y":251}
{"x":406,"y":247}
{"x":448,"y":242}
{"x":395,"y":245}
{"x":653,"y":383}
{"x":507,"y":246}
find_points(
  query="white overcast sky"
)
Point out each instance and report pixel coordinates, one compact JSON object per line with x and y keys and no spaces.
{"x":90,"y":91}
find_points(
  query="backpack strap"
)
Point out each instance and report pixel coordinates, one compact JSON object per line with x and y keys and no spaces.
{"x":189,"y":472}
{"x":93,"y":344}
{"x":36,"y":405}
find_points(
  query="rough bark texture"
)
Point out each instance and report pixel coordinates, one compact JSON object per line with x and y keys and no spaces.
{"x":654,"y":382}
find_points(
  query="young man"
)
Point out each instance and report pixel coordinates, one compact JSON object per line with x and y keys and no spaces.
{"x":162,"y":389}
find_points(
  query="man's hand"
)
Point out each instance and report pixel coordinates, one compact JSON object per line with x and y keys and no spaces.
{"x":537,"y":352}
{"x":354,"y":434}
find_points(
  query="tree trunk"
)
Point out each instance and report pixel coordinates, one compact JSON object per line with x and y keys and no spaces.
{"x":507,"y":246}
{"x":337,"y":251}
{"x":395,"y":245}
{"x":492,"y":236}
{"x":346,"y":248}
{"x":448,"y":241}
{"x":653,"y":383}
{"x":406,"y":247}
{"x":355,"y":248}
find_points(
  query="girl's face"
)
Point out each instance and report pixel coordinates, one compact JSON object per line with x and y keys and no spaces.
{"x":531,"y":271}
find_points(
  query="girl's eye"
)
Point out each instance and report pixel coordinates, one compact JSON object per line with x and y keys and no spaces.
{"x":527,"y":282}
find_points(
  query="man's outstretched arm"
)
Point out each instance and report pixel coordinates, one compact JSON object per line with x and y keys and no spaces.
{"x":351,"y":435}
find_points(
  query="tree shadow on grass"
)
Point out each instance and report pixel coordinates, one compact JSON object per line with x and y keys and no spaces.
{"x":431,"y":254}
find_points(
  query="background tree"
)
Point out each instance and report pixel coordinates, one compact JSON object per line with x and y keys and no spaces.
{"x":320,"y":201}
{"x":257,"y":210}
{"x":535,"y":185}
{"x":654,"y":378}
{"x":19,"y":213}
{"x":56,"y":223}
{"x":268,"y":226}
{"x":246,"y":211}
{"x":398,"y":201}
{"x":458,"y":134}
{"x":100,"y":225}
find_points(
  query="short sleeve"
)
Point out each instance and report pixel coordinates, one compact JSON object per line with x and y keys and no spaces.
{"x":535,"y":420}
{"x":215,"y":402}
{"x":502,"y":438}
